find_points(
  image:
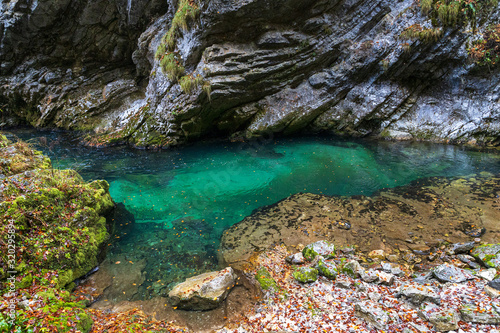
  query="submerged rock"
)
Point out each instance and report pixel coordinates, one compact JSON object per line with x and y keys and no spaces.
{"x":435,"y":204}
{"x":203,"y":292}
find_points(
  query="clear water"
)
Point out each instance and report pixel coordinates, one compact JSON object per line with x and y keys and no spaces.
{"x":183,"y":199}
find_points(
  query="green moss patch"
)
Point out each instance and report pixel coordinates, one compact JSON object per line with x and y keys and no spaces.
{"x":305,"y":274}
{"x":265,"y":279}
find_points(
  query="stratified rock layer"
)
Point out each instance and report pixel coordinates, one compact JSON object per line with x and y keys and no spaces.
{"x":267,"y":67}
{"x":406,"y":219}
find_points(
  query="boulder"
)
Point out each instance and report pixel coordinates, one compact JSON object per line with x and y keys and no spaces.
{"x":418,"y":294}
{"x":305,"y":274}
{"x":323,"y":248}
{"x":203,"y":292}
{"x":295,"y":259}
{"x":443,"y":319}
{"x":488,"y":255}
{"x":487,"y":274}
{"x":353,"y":269}
{"x":459,"y":248}
{"x":372,"y":313}
{"x":385,"y":278}
{"x":495,"y":284}
{"x":369,"y":276}
{"x":450,"y":273}
{"x":327,"y":269}
{"x":377,"y":254}
{"x":474,"y":314}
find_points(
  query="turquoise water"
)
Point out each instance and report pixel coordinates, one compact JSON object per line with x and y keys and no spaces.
{"x":183,"y":199}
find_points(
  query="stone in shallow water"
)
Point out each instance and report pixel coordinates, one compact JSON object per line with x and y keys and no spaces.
{"x":322,"y":248}
{"x":450,"y":273}
{"x":203,"y":292}
{"x":372,"y":313}
{"x":305,"y":274}
{"x":459,"y":248}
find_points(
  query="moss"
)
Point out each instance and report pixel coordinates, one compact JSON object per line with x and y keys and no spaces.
{"x":25,"y":282}
{"x":328,"y":270}
{"x":305,"y":274}
{"x":265,"y":279}
{"x":486,"y":51}
{"x":425,"y":35}
{"x":324,"y":248}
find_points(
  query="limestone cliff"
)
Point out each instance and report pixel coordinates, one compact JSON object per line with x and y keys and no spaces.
{"x":122,"y":70}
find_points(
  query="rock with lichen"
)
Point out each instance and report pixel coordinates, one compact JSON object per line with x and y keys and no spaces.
{"x":322,"y":248}
{"x":474,"y":314}
{"x":305,"y":274}
{"x":203,"y":292}
{"x":265,"y":279}
{"x":327,"y":269}
{"x":488,"y":255}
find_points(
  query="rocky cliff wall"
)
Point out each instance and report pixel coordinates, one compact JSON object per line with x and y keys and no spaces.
{"x":246,"y":68}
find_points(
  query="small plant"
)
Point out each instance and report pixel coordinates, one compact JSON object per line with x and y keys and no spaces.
{"x":189,"y":83}
{"x":171,"y":66}
{"x":425,"y":35}
{"x":207,"y":88}
{"x":487,"y":50}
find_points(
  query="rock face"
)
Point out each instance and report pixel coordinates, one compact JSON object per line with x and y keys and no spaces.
{"x":324,"y":66}
{"x":203,"y":292}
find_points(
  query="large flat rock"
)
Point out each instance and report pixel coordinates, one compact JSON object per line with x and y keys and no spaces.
{"x":429,"y":210}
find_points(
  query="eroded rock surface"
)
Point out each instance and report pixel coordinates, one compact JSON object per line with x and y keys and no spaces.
{"x":270,"y":67}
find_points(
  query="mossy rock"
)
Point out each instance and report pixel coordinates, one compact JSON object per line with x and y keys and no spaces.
{"x":488,"y":255}
{"x":265,"y":279}
{"x":327,"y":269}
{"x":305,"y":274}
{"x":352,"y":268}
{"x":322,"y":248}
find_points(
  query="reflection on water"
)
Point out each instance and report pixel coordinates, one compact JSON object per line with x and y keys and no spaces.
{"x":183,"y":199}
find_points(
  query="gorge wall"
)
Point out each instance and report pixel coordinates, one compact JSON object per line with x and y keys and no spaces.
{"x":247,"y":68}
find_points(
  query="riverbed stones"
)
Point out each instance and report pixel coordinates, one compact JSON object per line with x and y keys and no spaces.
{"x":203,"y":292}
{"x":295,"y":259}
{"x":377,"y":254}
{"x":417,"y":294}
{"x":459,"y":248}
{"x":443,"y":319}
{"x":492,"y":292}
{"x":352,"y":268}
{"x":373,"y":313}
{"x":385,"y":278}
{"x":327,"y":269}
{"x":495,"y":284}
{"x":450,"y":273}
{"x":487,"y":274}
{"x":474,"y":314}
{"x":322,"y":248}
{"x":488,"y":255}
{"x":305,"y":274}
{"x":369,"y":276}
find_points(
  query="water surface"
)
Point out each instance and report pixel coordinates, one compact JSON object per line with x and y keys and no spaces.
{"x":183,"y":199}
